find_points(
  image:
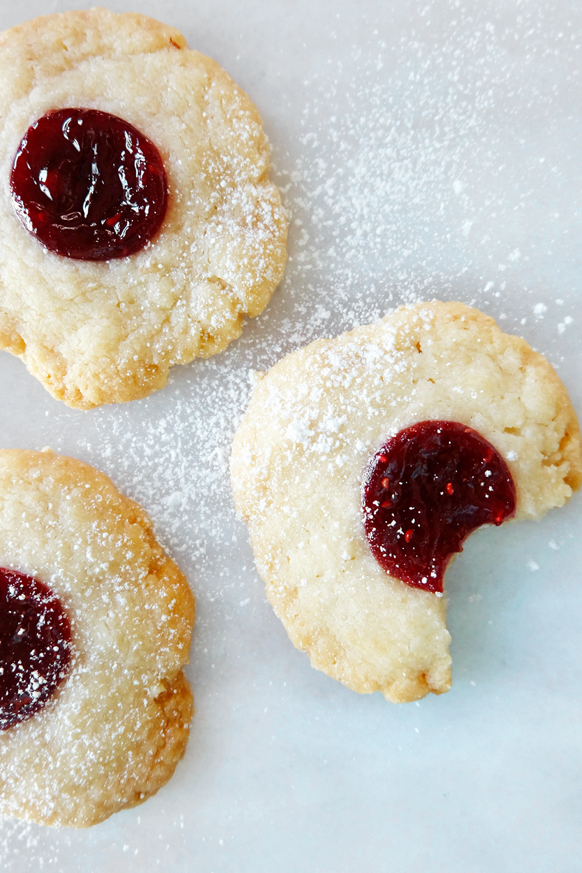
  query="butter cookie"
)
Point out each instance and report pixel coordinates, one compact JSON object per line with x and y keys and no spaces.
{"x":96,"y":625}
{"x":364,"y":461}
{"x":139,"y":225}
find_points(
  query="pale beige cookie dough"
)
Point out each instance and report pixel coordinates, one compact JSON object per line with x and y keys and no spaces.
{"x":105,"y":332}
{"x":312,"y":425}
{"x":112,"y":734}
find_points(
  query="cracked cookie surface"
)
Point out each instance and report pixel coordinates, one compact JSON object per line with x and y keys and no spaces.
{"x":109,"y":332}
{"x":313,"y":423}
{"x":112,"y":733}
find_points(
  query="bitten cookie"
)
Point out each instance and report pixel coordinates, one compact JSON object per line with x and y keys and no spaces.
{"x":117,"y":718}
{"x":101,"y":296}
{"x":307,"y":451}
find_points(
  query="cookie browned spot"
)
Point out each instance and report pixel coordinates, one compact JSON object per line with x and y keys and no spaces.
{"x":113,"y":730}
{"x":108,"y":331}
{"x":313,"y":425}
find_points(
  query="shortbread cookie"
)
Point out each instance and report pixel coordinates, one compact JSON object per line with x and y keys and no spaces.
{"x":102,"y":331}
{"x":308,"y":447}
{"x":116,"y":720}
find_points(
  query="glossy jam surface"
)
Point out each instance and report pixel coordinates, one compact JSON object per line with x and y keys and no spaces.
{"x":35,"y":646}
{"x":88,"y":185}
{"x":425,"y":491}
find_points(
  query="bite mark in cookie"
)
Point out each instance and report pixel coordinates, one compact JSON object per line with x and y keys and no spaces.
{"x":425,"y":491}
{"x":300,"y":455}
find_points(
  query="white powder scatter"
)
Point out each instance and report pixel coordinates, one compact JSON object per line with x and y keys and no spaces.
{"x":418,"y":168}
{"x":391,"y":155}
{"x":421,"y":181}
{"x":299,"y":431}
{"x":564,"y":324}
{"x":532,"y":565}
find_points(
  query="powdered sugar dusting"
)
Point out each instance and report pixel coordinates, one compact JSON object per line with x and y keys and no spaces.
{"x":438,"y":162}
{"x":395,"y":150}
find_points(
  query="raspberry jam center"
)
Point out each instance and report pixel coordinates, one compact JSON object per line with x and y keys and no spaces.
{"x":425,"y":491}
{"x":35,"y":646}
{"x":88,"y":185}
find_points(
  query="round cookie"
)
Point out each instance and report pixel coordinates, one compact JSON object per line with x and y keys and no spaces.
{"x":104,"y":332}
{"x":313,"y":424}
{"x":112,"y":733}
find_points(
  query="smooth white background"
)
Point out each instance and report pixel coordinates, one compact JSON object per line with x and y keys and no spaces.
{"x":425,"y":149}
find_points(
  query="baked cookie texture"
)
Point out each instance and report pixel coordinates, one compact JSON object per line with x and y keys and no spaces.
{"x":298,"y":457}
{"x":116,"y":727}
{"x":108,"y":332}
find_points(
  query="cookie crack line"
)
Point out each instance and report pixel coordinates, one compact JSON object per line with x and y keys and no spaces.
{"x":425,"y":491}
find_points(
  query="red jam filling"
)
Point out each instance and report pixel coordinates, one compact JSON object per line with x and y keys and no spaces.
{"x":88,"y":185}
{"x":35,"y":646}
{"x":425,"y":491}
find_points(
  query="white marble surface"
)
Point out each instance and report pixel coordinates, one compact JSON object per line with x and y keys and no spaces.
{"x":425,"y":149}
